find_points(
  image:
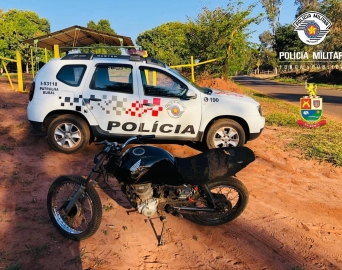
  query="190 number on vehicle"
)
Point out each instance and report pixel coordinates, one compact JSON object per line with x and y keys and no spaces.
{"x":211,"y":99}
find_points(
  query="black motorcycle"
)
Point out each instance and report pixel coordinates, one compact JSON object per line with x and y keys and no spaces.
{"x":200,"y":188}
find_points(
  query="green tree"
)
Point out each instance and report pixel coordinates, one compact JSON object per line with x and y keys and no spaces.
{"x":272,"y":8}
{"x":104,"y":26}
{"x":307,"y":5}
{"x":167,"y":43}
{"x":287,"y":40}
{"x":18,"y":25}
{"x":332,"y":9}
{"x":222,"y":33}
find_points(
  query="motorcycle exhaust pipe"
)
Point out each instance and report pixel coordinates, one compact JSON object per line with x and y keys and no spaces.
{"x":185,"y":208}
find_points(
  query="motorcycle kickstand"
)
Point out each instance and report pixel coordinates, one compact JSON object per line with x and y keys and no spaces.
{"x":161,"y":239}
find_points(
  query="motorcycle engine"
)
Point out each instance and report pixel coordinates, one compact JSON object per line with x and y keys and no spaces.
{"x":146,"y":204}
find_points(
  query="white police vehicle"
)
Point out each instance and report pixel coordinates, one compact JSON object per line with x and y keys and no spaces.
{"x":83,"y":97}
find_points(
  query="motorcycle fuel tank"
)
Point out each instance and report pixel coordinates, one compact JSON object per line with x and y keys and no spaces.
{"x":142,"y":164}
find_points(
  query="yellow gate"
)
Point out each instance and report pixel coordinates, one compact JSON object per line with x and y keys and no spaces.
{"x":19,"y":70}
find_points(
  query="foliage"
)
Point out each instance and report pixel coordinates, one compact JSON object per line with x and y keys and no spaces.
{"x":332,"y":9}
{"x":222,"y":33}
{"x":166,"y":42}
{"x":16,"y":26}
{"x":307,"y":5}
{"x":272,"y":8}
{"x":287,"y":40}
{"x":104,"y":26}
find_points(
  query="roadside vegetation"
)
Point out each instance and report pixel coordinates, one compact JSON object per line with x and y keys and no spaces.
{"x":325,"y":78}
{"x":323,"y":143}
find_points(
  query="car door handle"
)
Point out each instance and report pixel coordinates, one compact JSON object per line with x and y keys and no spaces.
{"x":148,"y":104}
{"x":95,"y":99}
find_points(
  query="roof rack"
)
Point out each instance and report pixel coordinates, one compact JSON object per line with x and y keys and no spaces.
{"x":132,"y":57}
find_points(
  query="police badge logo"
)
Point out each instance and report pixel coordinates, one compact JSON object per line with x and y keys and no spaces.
{"x":312,"y":27}
{"x":175,"y":108}
{"x":311,"y":109}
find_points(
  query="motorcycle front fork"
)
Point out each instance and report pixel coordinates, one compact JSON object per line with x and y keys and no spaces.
{"x":81,"y":190}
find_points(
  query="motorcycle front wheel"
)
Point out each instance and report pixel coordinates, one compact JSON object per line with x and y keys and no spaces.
{"x":231,"y":198}
{"x":84,"y":218}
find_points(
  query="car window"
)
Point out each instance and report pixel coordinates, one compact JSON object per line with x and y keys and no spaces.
{"x":113,"y":77}
{"x":71,"y":74}
{"x":160,"y":83}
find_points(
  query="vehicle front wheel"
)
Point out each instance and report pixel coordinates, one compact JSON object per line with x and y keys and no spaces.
{"x":68,"y":134}
{"x":225,"y":133}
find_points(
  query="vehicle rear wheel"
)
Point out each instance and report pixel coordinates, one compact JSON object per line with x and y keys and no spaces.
{"x":68,"y":134}
{"x":225,"y":133}
{"x":231,"y":198}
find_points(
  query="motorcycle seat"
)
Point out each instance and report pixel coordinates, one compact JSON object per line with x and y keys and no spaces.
{"x":213,"y":163}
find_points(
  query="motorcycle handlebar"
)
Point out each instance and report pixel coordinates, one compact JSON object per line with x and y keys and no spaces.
{"x":135,"y":138}
{"x":103,"y":142}
{"x":151,"y":136}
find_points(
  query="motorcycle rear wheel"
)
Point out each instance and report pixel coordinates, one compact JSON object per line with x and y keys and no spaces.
{"x":84,"y":218}
{"x":232,"y":205}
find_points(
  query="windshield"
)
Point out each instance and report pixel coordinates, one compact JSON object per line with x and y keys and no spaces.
{"x":203,"y":90}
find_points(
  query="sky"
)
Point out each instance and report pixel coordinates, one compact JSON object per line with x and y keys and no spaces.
{"x":132,"y":17}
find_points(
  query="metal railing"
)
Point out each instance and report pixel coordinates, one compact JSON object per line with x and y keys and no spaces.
{"x":19,"y":70}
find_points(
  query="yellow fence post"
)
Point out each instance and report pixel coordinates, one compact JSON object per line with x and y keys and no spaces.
{"x":154,"y":77}
{"x":192,"y":65}
{"x":8,"y":76}
{"x":19,"y":72}
{"x":146,"y":76}
{"x":56,"y":51}
{"x":192,"y":69}
{"x":32,"y":63}
{"x":46,"y":55}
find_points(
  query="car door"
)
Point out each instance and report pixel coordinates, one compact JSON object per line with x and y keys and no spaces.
{"x":112,"y":97}
{"x":164,"y":112}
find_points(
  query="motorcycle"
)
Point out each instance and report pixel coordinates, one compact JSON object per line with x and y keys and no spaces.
{"x":201,"y":188}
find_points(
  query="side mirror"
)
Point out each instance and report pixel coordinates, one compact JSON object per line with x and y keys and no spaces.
{"x":190,"y":94}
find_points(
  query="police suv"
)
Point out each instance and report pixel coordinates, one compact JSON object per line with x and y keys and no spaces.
{"x":80,"y":98}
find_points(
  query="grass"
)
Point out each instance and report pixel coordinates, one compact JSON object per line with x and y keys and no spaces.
{"x":5,"y":148}
{"x":39,"y":251}
{"x":16,"y":266}
{"x":301,"y":81}
{"x":322,"y":144}
{"x":79,"y":258}
{"x":108,"y":207}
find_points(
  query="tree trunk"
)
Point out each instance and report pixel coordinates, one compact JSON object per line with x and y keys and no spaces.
{"x":225,"y":74}
{"x":27,"y":68}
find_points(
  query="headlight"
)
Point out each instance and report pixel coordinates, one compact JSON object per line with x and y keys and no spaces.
{"x":259,"y":109}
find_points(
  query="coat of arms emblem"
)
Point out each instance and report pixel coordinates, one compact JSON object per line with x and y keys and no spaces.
{"x":311,"y":109}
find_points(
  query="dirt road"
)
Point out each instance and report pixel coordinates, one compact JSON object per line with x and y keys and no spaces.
{"x":293,"y":219}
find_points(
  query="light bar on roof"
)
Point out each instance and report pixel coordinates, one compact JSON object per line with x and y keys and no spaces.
{"x":137,"y":52}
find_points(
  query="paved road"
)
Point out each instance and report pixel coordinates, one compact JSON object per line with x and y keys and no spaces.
{"x":332,"y":99}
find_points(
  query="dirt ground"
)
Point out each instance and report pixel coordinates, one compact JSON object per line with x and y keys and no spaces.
{"x":293,"y":219}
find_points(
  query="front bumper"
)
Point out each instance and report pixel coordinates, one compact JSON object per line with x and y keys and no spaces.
{"x":253,"y":136}
{"x":38,"y":126}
